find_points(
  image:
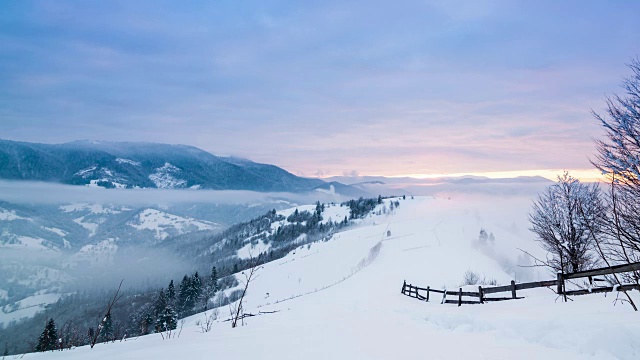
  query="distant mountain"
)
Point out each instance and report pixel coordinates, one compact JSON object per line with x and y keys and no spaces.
{"x":141,"y":165}
{"x":467,"y":179}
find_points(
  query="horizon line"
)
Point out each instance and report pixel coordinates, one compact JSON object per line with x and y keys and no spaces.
{"x":585,"y":175}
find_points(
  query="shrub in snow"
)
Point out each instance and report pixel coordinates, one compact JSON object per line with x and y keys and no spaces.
{"x":470,"y":278}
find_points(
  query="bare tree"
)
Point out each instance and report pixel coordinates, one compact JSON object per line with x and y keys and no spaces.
{"x":106,"y":316}
{"x":618,"y":159}
{"x":249,"y":275}
{"x":566,"y":218}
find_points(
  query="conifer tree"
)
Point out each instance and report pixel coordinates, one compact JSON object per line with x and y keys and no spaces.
{"x":171,"y":292}
{"x":213,"y":280}
{"x":49,"y":337}
{"x":106,"y":333}
{"x":184,"y":294}
{"x":161,"y":303}
{"x":196,"y":286}
{"x":210,"y":288}
{"x":147,"y":321}
{"x":167,"y":320}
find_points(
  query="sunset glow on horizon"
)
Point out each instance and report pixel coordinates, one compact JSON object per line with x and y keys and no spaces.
{"x":585,"y":175}
{"x":321,"y":88}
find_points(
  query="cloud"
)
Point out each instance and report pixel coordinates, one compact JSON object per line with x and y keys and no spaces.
{"x":26,"y":192}
{"x":318,"y":85}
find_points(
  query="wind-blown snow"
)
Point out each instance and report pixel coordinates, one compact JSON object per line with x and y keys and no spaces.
{"x":161,"y":222}
{"x":341,"y":299}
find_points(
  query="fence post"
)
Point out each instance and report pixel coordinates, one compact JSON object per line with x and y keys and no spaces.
{"x":427,"y":293}
{"x":404,"y":284}
{"x":513,"y":289}
{"x":460,"y":297}
{"x":444,"y":296}
{"x":560,"y":283}
{"x":480,"y":295}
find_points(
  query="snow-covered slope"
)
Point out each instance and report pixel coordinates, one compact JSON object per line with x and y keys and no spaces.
{"x":164,"y":224}
{"x":340,"y":299}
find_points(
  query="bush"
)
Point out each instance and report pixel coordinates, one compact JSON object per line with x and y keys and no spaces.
{"x":471,"y":277}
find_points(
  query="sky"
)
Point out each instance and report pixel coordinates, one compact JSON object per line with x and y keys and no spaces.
{"x":323,"y":88}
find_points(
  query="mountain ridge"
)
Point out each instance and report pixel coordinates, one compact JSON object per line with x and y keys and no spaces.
{"x":142,"y":165}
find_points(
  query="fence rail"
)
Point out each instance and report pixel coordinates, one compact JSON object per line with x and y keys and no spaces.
{"x":414,"y":291}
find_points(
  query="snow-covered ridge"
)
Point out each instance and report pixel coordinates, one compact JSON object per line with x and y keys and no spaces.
{"x":28,"y":243}
{"x":91,"y":226}
{"x":164,"y":177}
{"x":86,"y":172}
{"x":9,"y":215}
{"x":127,"y":161}
{"x":60,"y":232}
{"x":26,"y":307}
{"x":94,"y":208}
{"x":164,"y":224}
{"x":101,"y":253}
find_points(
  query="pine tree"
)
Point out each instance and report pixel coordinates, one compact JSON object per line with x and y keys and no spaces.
{"x":213,"y":279}
{"x":196,"y":286}
{"x":170,"y":318}
{"x":90,"y":334}
{"x":147,"y":321}
{"x":49,"y":337}
{"x":210,"y":288}
{"x":171,"y":292}
{"x":184,"y":294}
{"x":167,"y":320}
{"x":106,"y":333}
{"x":160,"y":304}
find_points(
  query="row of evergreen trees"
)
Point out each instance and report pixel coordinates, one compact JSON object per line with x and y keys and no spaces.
{"x":194,"y":295}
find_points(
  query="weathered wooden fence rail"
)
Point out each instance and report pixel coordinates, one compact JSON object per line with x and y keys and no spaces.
{"x":414,"y":291}
{"x":597,"y":272}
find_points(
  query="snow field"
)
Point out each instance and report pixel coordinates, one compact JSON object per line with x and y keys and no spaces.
{"x":366,"y":317}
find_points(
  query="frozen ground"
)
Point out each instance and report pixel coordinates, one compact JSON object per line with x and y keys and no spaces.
{"x":341,"y":299}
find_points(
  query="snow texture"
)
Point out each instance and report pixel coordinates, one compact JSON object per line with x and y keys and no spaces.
{"x":9,"y":215}
{"x":127,"y":161}
{"x":340,"y":299}
{"x":164,"y":177}
{"x":161,"y":222}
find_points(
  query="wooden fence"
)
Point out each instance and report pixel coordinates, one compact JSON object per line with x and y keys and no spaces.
{"x":597,"y":272}
{"x":425,"y":293}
